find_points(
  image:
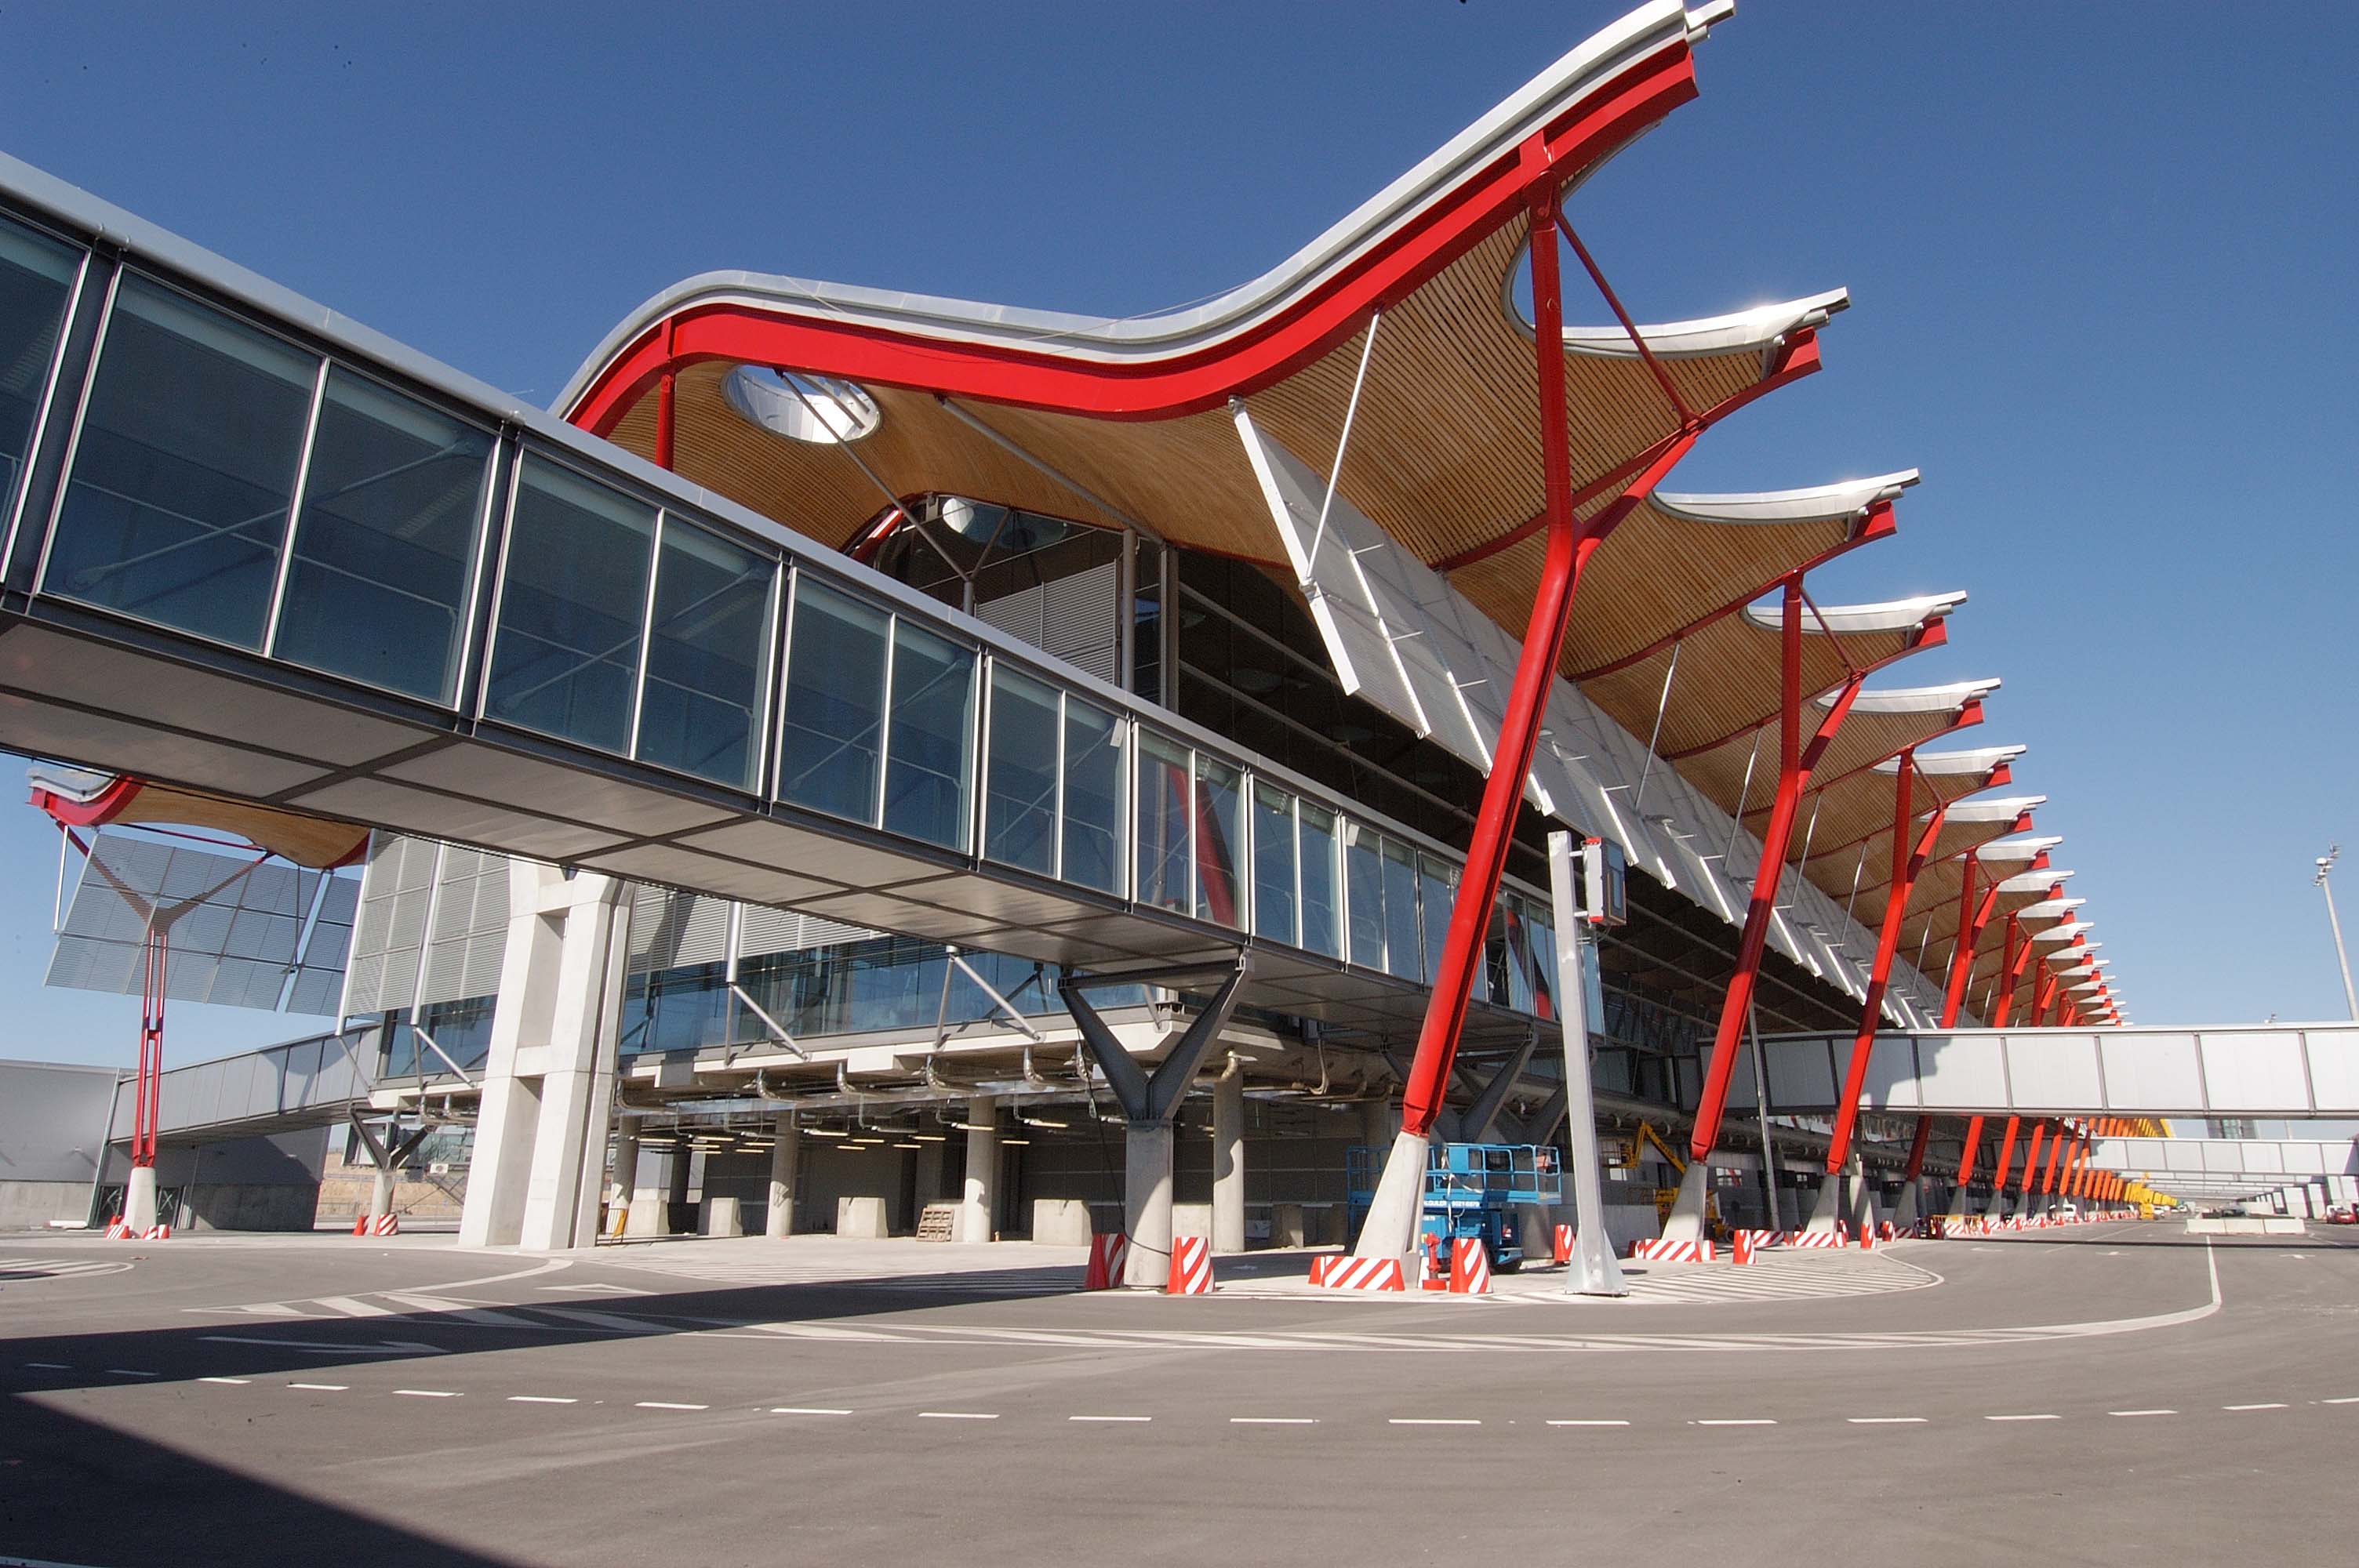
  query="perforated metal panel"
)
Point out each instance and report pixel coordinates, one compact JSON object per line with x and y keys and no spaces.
{"x":389,"y":926}
{"x":471,"y":926}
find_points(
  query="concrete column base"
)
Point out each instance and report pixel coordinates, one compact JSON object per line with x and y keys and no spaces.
{"x":978,"y":1199}
{"x":1147,"y":1205}
{"x":1060,"y":1222}
{"x":1686,"y":1221}
{"x":140,"y":1198}
{"x":722,"y":1217}
{"x":1228,"y":1232}
{"x":1828,"y":1209}
{"x":861,"y":1217}
{"x":1536,"y":1233}
{"x":381,"y":1193}
{"x":1390,"y":1229}
{"x":1904,"y":1213}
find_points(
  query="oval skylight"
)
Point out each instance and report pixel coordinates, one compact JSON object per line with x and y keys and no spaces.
{"x":819,"y":409}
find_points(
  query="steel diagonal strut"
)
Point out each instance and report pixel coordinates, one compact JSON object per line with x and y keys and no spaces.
{"x":1392,"y":1218}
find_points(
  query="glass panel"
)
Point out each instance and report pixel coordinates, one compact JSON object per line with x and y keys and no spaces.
{"x":177,"y":505}
{"x":1435,"y":882}
{"x":926,"y":767}
{"x":1273,"y":841}
{"x":880,"y":983}
{"x":1163,"y":835}
{"x":1019,"y":800}
{"x":831,"y":746}
{"x":685,"y":1008}
{"x":384,"y":542}
{"x":1147,"y":622}
{"x":1218,"y":804}
{"x":1363,"y":873}
{"x":36,"y":276}
{"x":1321,"y":931}
{"x":1092,"y":797}
{"x":566,"y":653}
{"x":708,"y":657}
{"x":1401,"y":957}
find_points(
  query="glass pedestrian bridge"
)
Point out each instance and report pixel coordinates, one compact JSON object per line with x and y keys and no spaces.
{"x":256,"y":549}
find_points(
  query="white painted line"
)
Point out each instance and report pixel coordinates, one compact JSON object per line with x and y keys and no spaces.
{"x":957,"y":1415}
{"x":1273,"y":1421}
{"x":1434,"y":1421}
{"x":1886,"y":1420}
{"x":804,"y":1410}
{"x":1737,"y":1420}
{"x":539,"y":1400}
{"x":2023,"y":1418}
{"x":428,"y":1393}
{"x":49,"y":1366}
{"x":2345,"y":1400}
{"x":322,"y":1388}
{"x":232,"y":1382}
{"x":1584,"y":1423}
{"x":2142,"y":1413}
{"x":352,"y":1308}
{"x":2270,"y":1406}
{"x":665,"y":1405}
{"x":128,"y":1372}
{"x":1111,"y":1418}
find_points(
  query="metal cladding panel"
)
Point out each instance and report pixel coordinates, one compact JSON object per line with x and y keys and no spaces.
{"x":2333,"y":1067}
{"x":1802,"y":1073}
{"x":1892,"y":1073}
{"x":2054,"y":1070}
{"x":765,"y":931}
{"x":471,"y":926}
{"x":390,"y":925}
{"x":672,"y":930}
{"x":1081,"y":619}
{"x":2153,"y":1069}
{"x":1955,"y":1070}
{"x":2258,"y":1071}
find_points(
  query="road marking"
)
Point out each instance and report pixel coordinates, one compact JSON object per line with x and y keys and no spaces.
{"x":1580,"y":1421}
{"x":1434,"y":1421}
{"x":539,"y":1400}
{"x":1737,"y":1420}
{"x":2345,"y":1400}
{"x":2023,"y":1418}
{"x":128,"y":1372}
{"x":326,"y":1347}
{"x":1886,"y":1420}
{"x":2142,"y":1413}
{"x":813,"y":1409}
{"x":232,"y":1382}
{"x":1111,"y":1418}
{"x":957,"y":1415}
{"x":322,"y":1388}
{"x":428,"y":1393}
{"x":2268,"y":1407}
{"x":666,"y":1405}
{"x":49,"y":1366}
{"x":350,"y":1307}
{"x":1273,"y":1421}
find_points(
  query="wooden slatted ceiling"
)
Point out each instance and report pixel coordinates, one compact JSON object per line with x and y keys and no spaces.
{"x":1865,"y":739}
{"x":1937,"y":886}
{"x":1857,"y":808}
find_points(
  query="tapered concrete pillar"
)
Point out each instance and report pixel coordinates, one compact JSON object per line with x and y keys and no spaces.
{"x":1904,"y":1212}
{"x":978,"y":1201}
{"x":139,"y":1197}
{"x":1828,"y":1207}
{"x":1229,"y":1160}
{"x":381,"y":1191}
{"x":785,"y":1153}
{"x":677,"y":1173}
{"x":1686,"y":1222}
{"x":1147,"y":1205}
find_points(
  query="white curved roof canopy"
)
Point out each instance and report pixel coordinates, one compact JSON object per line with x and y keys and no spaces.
{"x":2006,"y":808}
{"x":1893,"y":615}
{"x":2048,"y":908}
{"x":1973,"y":760}
{"x":2027,"y":882}
{"x":1815,"y":503}
{"x":1918,"y":699}
{"x":2063,"y":931}
{"x":2029,"y":847}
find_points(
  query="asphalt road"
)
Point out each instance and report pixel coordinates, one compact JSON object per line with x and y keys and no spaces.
{"x":2120,"y":1394}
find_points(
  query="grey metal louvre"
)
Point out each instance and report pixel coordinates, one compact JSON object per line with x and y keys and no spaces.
{"x":470,"y":924}
{"x":675,"y":929}
{"x":1081,"y":619}
{"x":389,"y":923}
{"x":767,"y":931}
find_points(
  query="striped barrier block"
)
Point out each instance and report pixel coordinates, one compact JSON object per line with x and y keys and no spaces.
{"x":117,"y":1230}
{"x":1564,"y":1253}
{"x":1191,"y":1267}
{"x":1660,"y":1250}
{"x":1107,"y":1250}
{"x":376,"y":1225}
{"x":1337,"y":1273}
{"x":1814,"y":1238}
{"x":1469,"y":1267}
{"x":157,"y":1233}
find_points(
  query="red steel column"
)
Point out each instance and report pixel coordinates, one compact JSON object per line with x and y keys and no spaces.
{"x":1972,"y":918}
{"x":2031,"y":1158}
{"x":1569,"y":545}
{"x":1966,"y":1155}
{"x":2017,"y":952}
{"x":1916,"y":1147}
{"x":1906,"y":863}
{"x":2057,"y":1135}
{"x":2005,"y":1156}
{"x":1795,"y":765}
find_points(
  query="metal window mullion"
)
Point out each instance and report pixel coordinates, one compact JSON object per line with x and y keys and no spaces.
{"x":1294,"y":825}
{"x":20,"y":495}
{"x":885,"y":719}
{"x":980,"y":714}
{"x":81,"y":421}
{"x":647,"y":634}
{"x":783,"y":643}
{"x":295,"y":510}
{"x":1057,"y":812}
{"x":772,"y":686}
{"x":490,"y":502}
{"x":472,"y":704}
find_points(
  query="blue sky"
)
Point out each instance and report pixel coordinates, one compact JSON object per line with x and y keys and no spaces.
{"x":2101,"y":256}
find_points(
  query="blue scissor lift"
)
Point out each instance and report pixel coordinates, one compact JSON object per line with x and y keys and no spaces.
{"x":1471,"y":1189}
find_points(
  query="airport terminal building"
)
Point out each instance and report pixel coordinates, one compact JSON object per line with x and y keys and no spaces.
{"x":872,"y":762}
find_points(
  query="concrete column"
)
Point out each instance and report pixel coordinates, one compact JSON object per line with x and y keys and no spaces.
{"x":1829,"y":1205}
{"x":139,"y":1197}
{"x":381,"y":1191}
{"x":979,"y":1198}
{"x":1686,"y":1218}
{"x":1147,"y":1205}
{"x":540,"y":1136}
{"x":649,"y":1215}
{"x":626,"y":1173}
{"x":676,"y":1171}
{"x":1904,"y":1212}
{"x":783,"y":1154}
{"x":1229,"y":1160}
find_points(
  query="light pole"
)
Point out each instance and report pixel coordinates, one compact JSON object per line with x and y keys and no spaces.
{"x":2325,"y":865}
